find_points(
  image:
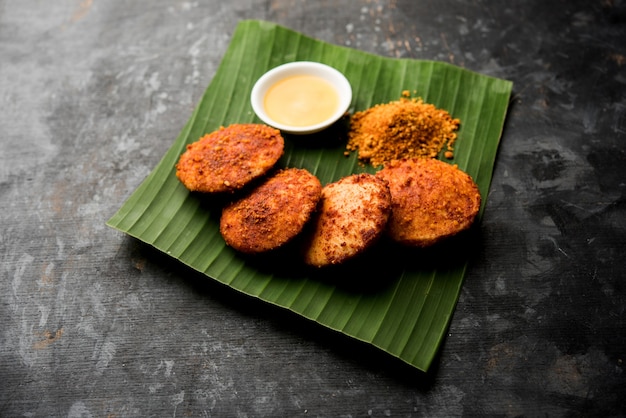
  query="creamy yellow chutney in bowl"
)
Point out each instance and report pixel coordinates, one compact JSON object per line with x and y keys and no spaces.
{"x":301,"y":97}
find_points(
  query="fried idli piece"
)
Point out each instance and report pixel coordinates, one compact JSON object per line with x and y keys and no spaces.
{"x":351,"y":216}
{"x":229,"y":158}
{"x":273,"y":213}
{"x":430,"y":200}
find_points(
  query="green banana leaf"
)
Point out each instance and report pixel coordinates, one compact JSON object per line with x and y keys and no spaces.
{"x":398,"y":299}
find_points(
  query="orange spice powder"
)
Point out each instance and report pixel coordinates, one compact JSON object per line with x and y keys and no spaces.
{"x":406,"y":128}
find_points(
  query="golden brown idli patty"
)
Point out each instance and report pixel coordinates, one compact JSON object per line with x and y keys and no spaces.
{"x":229,"y":158}
{"x":430,"y":200}
{"x":351,"y":216}
{"x":272,"y":213}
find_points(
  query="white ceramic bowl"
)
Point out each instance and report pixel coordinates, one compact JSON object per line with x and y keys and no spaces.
{"x":336,"y":79}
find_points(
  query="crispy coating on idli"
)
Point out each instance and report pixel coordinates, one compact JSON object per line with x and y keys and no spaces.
{"x":273,"y":213}
{"x":352,"y":215}
{"x":430,"y":200}
{"x":229,"y":158}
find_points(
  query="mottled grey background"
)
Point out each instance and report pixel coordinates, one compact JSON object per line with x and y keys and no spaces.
{"x":93,"y":323}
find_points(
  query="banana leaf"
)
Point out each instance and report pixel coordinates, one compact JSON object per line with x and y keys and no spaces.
{"x":397,"y":299}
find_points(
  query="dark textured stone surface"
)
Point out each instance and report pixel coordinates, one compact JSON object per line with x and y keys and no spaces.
{"x":96,"y":324}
